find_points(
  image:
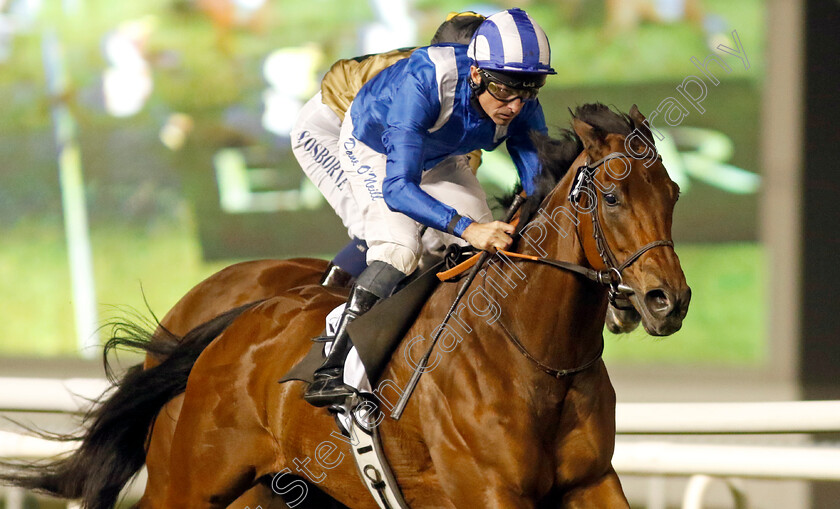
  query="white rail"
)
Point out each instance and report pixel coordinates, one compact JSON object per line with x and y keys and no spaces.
{"x":14,"y":445}
{"x":700,"y":418}
{"x":807,"y":463}
{"x":648,"y":457}
{"x":49,"y":394}
{"x":74,"y":394}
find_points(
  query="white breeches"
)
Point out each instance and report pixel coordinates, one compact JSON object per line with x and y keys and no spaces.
{"x":315,"y":146}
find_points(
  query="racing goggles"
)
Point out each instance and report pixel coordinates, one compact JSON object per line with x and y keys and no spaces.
{"x":506,"y":88}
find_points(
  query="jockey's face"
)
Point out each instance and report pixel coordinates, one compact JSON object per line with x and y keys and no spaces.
{"x":502,"y":113}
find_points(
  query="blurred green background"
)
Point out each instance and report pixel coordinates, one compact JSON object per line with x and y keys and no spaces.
{"x":157,"y":226}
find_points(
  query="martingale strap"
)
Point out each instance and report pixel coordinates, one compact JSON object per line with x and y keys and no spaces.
{"x":371,"y":462}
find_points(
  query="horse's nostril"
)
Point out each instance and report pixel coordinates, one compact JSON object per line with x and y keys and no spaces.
{"x":658,"y":303}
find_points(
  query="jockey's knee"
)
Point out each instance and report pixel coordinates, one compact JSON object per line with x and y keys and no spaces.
{"x":402,"y":258}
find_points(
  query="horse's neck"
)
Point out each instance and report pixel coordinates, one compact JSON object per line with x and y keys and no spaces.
{"x":559,"y":316}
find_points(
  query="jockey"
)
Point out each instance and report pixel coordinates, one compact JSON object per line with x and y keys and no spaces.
{"x":443,"y":100}
{"x":315,"y":141}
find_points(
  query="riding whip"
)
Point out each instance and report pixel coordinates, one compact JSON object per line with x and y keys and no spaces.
{"x":396,"y":413}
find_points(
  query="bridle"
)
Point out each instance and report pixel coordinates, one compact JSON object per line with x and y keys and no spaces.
{"x":585,"y":182}
{"x":619,"y":293}
{"x":611,"y":276}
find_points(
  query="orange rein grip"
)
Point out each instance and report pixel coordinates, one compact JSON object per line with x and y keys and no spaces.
{"x":519,"y":255}
{"x":469,"y":262}
{"x":459,"y":269}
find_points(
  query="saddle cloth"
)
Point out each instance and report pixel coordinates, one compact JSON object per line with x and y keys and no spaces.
{"x":379,"y":332}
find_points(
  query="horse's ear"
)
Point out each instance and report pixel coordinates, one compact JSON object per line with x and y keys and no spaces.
{"x":639,"y":143}
{"x":592,"y":137}
{"x":640,"y":123}
{"x":636,"y":115}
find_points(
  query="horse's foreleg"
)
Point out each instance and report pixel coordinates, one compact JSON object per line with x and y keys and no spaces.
{"x":259,"y":496}
{"x":491,"y":498}
{"x":505,"y":499}
{"x":606,"y":493}
{"x":586,"y":446}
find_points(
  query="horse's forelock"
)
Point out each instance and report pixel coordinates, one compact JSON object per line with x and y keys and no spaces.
{"x":605,"y":119}
{"x":556,"y":155}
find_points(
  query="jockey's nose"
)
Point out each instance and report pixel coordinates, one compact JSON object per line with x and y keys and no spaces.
{"x":516,"y":105}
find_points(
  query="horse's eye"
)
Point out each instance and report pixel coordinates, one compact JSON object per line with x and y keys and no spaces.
{"x":611,"y":199}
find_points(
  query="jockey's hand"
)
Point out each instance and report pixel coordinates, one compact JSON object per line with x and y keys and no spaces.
{"x":489,"y":236}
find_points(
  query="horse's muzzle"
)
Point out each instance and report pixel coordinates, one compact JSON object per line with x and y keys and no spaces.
{"x":664,"y":310}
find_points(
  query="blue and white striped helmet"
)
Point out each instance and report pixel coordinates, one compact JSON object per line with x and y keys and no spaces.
{"x":510,"y":41}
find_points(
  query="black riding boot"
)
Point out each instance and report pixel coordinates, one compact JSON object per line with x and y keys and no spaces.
{"x":336,"y":277}
{"x":375,"y":283}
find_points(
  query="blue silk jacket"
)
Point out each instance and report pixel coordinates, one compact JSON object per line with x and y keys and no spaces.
{"x":419,"y":111}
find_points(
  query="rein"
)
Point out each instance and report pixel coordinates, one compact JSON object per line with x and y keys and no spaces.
{"x":611,"y":276}
{"x":556,"y":373}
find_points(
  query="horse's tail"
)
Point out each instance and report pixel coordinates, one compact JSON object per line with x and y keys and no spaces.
{"x":113,"y":443}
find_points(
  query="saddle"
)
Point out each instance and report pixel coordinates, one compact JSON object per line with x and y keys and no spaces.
{"x":377,"y":333}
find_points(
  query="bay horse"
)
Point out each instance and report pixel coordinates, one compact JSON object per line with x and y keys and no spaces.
{"x":238,"y":285}
{"x":489,"y":423}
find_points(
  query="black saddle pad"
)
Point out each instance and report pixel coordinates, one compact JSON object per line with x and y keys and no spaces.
{"x":377,"y":333}
{"x":304,"y":369}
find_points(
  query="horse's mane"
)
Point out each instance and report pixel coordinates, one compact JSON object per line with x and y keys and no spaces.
{"x":557,"y":154}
